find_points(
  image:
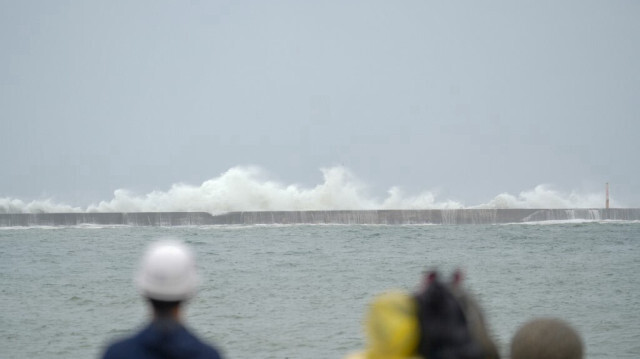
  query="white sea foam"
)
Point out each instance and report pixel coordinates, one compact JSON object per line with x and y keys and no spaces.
{"x":249,"y":189}
{"x":544,"y":196}
{"x":13,"y":205}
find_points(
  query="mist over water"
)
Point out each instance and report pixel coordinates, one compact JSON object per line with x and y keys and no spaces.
{"x":250,"y":189}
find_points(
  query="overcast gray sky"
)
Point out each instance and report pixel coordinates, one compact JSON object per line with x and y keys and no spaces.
{"x":470,"y":98}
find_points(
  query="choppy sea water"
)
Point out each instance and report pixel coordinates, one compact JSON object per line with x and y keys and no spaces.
{"x":301,"y":291}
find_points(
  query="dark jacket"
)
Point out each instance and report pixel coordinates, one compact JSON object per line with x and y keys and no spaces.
{"x":164,"y":339}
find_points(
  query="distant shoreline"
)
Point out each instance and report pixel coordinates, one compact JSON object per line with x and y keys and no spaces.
{"x":391,"y":217}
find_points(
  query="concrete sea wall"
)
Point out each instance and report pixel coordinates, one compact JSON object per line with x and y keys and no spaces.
{"x":426,"y":216}
{"x":127,"y":219}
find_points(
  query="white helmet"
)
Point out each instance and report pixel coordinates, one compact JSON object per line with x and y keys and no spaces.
{"x":167,"y":272}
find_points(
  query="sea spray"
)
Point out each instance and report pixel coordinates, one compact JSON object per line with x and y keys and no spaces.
{"x":544,"y":196}
{"x":249,"y":189}
{"x":13,"y":205}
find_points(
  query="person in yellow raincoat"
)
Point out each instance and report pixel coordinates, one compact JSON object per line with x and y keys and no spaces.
{"x":391,"y":327}
{"x":440,"y":321}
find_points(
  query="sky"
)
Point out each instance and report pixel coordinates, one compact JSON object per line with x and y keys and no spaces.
{"x":427,"y":102}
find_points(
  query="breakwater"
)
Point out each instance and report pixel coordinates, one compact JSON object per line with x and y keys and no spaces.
{"x":393,"y":217}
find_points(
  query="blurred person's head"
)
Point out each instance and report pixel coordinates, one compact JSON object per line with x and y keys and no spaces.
{"x":167,"y":276}
{"x":546,"y":338}
{"x":392,"y":326}
{"x":451,"y":322}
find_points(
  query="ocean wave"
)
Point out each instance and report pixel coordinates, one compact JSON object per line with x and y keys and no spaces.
{"x":249,"y":189}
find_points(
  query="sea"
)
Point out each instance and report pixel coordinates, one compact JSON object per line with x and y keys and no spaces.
{"x":301,"y":291}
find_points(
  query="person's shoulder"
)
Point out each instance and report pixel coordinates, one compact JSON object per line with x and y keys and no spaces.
{"x":121,"y":349}
{"x":204,"y":349}
{"x":209,"y":352}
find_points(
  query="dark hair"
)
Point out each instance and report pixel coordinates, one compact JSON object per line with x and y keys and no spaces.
{"x":445,"y":331}
{"x":163,"y":308}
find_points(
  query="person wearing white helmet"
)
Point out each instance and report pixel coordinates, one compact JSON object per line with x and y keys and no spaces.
{"x":167,"y":278}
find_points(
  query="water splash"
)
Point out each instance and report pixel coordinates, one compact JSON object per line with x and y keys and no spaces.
{"x":544,"y":196}
{"x":249,"y":189}
{"x":12,"y":205}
